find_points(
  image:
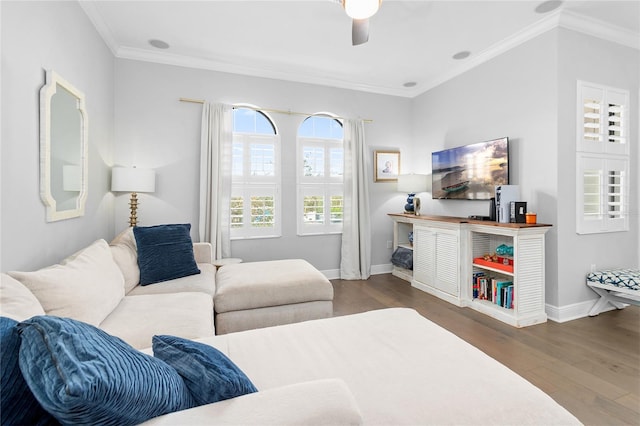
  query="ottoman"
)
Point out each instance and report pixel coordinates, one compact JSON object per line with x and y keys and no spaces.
{"x":263,"y":294}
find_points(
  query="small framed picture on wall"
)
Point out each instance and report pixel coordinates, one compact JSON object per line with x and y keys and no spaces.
{"x":387,"y":166}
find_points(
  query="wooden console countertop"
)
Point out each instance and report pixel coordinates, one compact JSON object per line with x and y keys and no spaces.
{"x":454,"y":219}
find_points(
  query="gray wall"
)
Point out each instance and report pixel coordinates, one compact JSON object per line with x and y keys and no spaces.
{"x":59,"y":36}
{"x":582,"y":57}
{"x":154,"y":129}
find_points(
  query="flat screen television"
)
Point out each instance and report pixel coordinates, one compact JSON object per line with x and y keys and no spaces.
{"x":470,"y":172}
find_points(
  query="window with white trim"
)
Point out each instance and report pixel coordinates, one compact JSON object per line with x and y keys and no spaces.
{"x":603,"y":123}
{"x":602,"y":190}
{"x":255,"y":176}
{"x":602,"y":159}
{"x":320,"y":170}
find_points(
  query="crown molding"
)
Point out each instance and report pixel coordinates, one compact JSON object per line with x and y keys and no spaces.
{"x":263,"y":70}
{"x":600,"y":29}
{"x":559,"y":18}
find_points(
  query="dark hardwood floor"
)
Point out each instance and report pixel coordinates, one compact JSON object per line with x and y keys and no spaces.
{"x":591,"y":366}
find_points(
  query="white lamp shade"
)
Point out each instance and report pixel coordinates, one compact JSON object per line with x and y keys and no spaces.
{"x":132,"y":179}
{"x":361,"y":9}
{"x":412,"y":183}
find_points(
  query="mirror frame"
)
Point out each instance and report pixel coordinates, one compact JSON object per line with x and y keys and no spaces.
{"x":53,"y":80}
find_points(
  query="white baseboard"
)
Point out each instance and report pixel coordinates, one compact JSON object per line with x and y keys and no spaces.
{"x":334,"y":274}
{"x":381,"y":269}
{"x":571,"y":312}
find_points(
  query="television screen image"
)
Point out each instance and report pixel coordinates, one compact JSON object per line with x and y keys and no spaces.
{"x":470,"y":172}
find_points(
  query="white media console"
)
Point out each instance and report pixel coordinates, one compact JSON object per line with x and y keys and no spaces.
{"x":448,"y":259}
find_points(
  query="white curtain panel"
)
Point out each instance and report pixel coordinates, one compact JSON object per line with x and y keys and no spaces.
{"x":355,"y":262}
{"x":215,"y":177}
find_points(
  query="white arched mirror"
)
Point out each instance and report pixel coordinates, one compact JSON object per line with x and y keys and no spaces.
{"x":63,"y":149}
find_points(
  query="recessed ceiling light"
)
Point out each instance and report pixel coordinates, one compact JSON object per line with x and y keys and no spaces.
{"x":410,"y":84}
{"x":159,"y":44}
{"x":548,"y":6}
{"x":462,"y":55}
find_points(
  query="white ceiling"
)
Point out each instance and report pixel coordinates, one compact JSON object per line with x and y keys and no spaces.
{"x":310,"y":40}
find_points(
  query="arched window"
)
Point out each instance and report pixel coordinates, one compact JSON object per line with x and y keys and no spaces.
{"x":248,"y":120}
{"x":255,"y":175}
{"x":321,"y":126}
{"x":320,"y":175}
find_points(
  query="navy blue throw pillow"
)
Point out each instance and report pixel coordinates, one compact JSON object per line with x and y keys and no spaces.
{"x":82,"y":375}
{"x":165,"y":252}
{"x":19,"y":406}
{"x":207,"y":372}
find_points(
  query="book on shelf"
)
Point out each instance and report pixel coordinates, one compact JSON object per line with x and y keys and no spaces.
{"x":509,"y":304}
{"x":501,"y":288}
{"x":485,"y":288}
{"x":476,"y":284}
{"x":494,"y":289}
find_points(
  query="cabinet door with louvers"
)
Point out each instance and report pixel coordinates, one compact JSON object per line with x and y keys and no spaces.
{"x":437,"y":259}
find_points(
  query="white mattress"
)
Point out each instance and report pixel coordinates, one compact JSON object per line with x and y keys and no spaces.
{"x":401,"y":368}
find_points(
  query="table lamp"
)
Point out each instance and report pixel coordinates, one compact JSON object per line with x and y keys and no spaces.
{"x":411,"y":184}
{"x":133,"y":180}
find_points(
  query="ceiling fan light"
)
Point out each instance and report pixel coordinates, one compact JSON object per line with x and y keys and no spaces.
{"x":361,"y":9}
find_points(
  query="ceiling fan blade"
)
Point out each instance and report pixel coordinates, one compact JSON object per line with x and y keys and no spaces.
{"x":359,"y":31}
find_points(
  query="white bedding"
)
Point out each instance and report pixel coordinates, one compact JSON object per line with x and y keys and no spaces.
{"x":400,"y":367}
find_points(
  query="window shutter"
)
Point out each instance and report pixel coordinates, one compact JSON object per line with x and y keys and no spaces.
{"x":602,"y":159}
{"x":616,"y":193}
{"x":320,"y":176}
{"x":590,"y":126}
{"x":617,"y":121}
{"x":602,"y":119}
{"x":255,"y":184}
{"x":602,"y":194}
{"x":255,"y":211}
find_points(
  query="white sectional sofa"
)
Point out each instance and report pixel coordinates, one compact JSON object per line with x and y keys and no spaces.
{"x":387,"y":367}
{"x":240,"y":297}
{"x":275,"y":292}
{"x":99,"y":285}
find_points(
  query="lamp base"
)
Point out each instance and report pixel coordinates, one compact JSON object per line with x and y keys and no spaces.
{"x":133,"y":204}
{"x":409,"y":208}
